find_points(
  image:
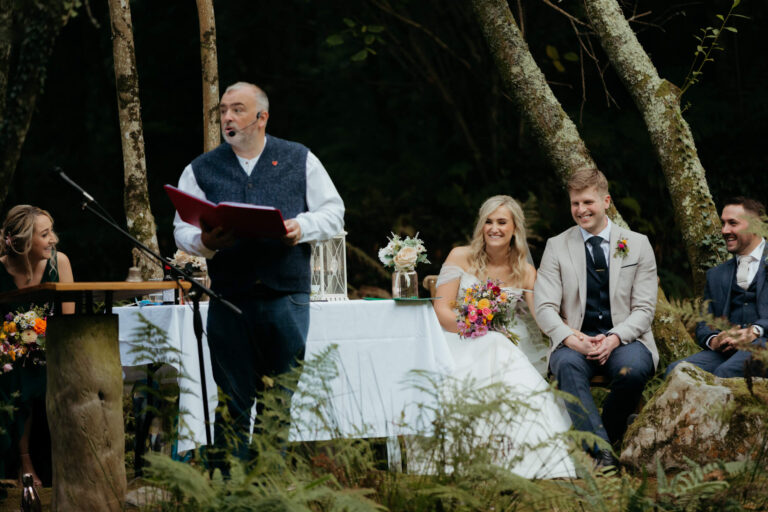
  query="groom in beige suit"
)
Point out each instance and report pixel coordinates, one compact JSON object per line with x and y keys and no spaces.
{"x":595,"y":298}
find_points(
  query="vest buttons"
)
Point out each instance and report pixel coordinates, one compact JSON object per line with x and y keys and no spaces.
{"x":250,"y":185}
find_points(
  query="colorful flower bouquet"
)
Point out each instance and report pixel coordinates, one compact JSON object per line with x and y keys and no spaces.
{"x":486,"y":307}
{"x":403,"y":254}
{"x":22,"y":339}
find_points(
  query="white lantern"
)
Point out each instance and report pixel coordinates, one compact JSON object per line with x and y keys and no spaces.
{"x":329,"y":269}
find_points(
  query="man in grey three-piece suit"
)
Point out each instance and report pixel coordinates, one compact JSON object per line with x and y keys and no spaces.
{"x":737,"y":291}
{"x":595,"y":297}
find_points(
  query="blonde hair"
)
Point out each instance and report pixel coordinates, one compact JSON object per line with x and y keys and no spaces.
{"x":585,"y":177}
{"x":17,"y":232}
{"x":518,"y":250}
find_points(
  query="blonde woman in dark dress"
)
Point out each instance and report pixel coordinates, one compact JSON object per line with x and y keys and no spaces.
{"x":29,"y":257}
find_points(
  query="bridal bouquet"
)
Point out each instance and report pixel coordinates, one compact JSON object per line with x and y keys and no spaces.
{"x":485,"y":307}
{"x":22,"y":339}
{"x":403,"y":254}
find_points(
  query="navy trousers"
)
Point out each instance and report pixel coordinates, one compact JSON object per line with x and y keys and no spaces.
{"x":267,"y":340}
{"x":725,"y":365}
{"x":629,"y":367}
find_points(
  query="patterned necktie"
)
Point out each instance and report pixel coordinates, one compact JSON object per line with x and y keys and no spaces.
{"x":597,"y":252}
{"x":742,"y":273}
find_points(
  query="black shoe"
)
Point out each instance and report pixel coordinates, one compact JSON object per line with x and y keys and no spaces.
{"x":604,"y":459}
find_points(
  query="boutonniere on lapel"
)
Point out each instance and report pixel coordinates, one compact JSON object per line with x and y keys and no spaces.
{"x":622,"y":248}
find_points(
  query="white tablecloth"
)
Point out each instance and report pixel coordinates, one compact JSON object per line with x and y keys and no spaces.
{"x":378,"y":344}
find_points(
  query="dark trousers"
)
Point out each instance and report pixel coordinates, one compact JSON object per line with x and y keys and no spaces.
{"x":629,"y":367}
{"x":725,"y":365}
{"x":267,"y":340}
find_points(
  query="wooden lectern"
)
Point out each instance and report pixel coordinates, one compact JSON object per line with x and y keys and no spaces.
{"x":84,"y":393}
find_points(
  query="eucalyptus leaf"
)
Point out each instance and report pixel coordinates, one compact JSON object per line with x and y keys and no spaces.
{"x":334,"y":40}
{"x":361,"y":55}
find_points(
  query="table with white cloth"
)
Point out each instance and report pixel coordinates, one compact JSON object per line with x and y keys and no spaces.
{"x":378,"y":343}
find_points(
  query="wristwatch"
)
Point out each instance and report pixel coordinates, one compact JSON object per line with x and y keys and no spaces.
{"x":757,"y":331}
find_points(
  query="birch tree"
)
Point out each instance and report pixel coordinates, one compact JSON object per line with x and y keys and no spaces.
{"x":659,"y":103}
{"x":554,"y":131}
{"x":141,"y":222}
{"x":210,"y":70}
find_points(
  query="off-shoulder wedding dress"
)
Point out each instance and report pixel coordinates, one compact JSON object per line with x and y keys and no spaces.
{"x":530,"y":441}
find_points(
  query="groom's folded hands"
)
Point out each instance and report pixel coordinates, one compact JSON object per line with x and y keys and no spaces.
{"x":603,"y":346}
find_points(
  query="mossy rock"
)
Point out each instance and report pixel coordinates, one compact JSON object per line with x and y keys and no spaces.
{"x":697,"y":415}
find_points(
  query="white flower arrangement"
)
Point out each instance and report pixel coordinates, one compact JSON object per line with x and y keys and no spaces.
{"x":403,"y":254}
{"x":189,"y":262}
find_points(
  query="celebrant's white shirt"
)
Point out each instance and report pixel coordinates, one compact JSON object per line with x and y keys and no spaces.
{"x":324,"y":218}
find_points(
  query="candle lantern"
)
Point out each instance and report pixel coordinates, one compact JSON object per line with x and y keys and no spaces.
{"x":329,"y":269}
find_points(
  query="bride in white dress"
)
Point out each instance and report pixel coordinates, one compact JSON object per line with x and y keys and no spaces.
{"x":532,"y":447}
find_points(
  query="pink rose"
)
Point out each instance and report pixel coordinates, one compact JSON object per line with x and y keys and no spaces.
{"x":7,"y":367}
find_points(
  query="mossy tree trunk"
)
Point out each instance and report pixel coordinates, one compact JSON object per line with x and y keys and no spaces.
{"x":35,"y":25}
{"x":555,"y":132}
{"x":210,"y":68}
{"x":659,"y":103}
{"x":141,"y":222}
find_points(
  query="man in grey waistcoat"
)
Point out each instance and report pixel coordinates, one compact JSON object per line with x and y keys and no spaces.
{"x":737,"y":291}
{"x":269,"y":280}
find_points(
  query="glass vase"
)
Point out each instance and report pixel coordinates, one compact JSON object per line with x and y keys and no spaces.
{"x":405,"y":284}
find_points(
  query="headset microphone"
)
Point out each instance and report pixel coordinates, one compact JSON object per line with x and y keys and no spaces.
{"x":232,"y":133}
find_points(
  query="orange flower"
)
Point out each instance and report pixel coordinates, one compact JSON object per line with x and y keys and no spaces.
{"x":9,"y":327}
{"x":40,"y":325}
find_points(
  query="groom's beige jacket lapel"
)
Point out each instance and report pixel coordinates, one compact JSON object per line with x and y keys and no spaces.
{"x":561,"y":287}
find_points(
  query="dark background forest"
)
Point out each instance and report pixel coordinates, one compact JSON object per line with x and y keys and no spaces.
{"x":415,"y":136}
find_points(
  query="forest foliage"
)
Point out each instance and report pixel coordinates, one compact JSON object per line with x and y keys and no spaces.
{"x":415,"y":135}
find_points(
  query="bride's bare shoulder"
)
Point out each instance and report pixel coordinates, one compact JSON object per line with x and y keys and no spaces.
{"x":459,"y":256}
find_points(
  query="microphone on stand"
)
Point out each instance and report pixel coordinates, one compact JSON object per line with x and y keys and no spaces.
{"x":88,"y":197}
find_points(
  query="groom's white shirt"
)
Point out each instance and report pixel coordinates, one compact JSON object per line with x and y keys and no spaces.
{"x":561,"y":286}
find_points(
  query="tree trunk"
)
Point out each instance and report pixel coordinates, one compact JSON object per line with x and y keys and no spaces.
{"x":141,"y":222}
{"x":658,"y":101}
{"x":6,"y":28}
{"x":210,"y":68}
{"x":556,"y":134}
{"x":23,"y":82}
{"x":84,"y":401}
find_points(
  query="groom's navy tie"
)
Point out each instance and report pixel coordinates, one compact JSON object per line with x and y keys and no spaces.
{"x":597,"y":253}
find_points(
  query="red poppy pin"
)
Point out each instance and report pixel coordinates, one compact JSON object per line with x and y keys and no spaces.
{"x":274,"y":163}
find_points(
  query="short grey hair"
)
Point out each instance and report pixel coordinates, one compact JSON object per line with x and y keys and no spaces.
{"x":261,"y":96}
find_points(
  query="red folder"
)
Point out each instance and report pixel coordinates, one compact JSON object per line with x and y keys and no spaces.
{"x":248,"y":220}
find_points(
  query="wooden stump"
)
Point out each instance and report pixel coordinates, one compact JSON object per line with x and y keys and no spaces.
{"x":85,"y":416}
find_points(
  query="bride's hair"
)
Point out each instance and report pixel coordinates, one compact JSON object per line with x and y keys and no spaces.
{"x":17,"y":232}
{"x":518,"y":250}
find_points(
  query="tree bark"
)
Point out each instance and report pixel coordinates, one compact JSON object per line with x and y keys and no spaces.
{"x":39,"y":25}
{"x":659,"y":102}
{"x":84,"y":401}
{"x":210,"y":68}
{"x":556,"y":134}
{"x":6,"y":29}
{"x":141,"y":222}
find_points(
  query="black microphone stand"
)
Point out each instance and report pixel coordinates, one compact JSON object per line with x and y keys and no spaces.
{"x":195,"y":293}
